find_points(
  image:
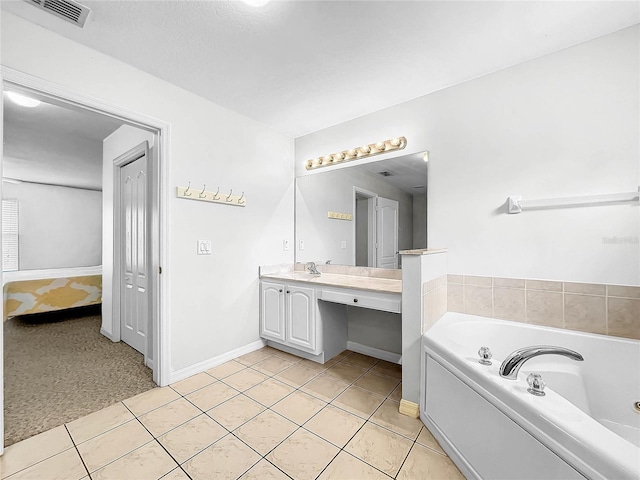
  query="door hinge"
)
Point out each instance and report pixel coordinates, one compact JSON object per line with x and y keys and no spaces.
{"x":160,"y":270}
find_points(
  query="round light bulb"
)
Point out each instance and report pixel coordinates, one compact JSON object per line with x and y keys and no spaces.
{"x":381,"y":146}
{"x":353,"y":152}
{"x":365,"y":149}
{"x":425,"y":157}
{"x":23,"y":100}
{"x":327,"y":159}
{"x":395,"y":142}
{"x":339,"y":157}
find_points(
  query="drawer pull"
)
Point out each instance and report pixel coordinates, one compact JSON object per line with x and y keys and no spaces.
{"x":280,"y":290}
{"x":355,"y":300}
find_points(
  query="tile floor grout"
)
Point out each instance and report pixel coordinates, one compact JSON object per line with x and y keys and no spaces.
{"x":352,"y":384}
{"x":299,"y":388}
{"x":77,"y":451}
{"x":296,"y":389}
{"x":158,"y":442}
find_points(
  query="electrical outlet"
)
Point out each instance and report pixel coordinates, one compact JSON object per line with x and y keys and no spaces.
{"x":285,"y":245}
{"x":204,"y":247}
{"x":343,"y":244}
{"x":301,"y":245}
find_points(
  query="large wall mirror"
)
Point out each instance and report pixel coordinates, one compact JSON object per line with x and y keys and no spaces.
{"x":362,"y":214}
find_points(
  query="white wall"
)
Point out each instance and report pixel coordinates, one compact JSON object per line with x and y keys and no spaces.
{"x":332,"y":191}
{"x":214,"y":299}
{"x":561,"y":125}
{"x":58,"y":226}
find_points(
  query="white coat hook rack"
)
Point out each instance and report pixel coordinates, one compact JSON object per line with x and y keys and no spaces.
{"x":213,"y":197}
{"x":516,"y":204}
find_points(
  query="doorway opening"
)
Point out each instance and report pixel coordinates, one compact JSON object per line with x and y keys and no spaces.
{"x":70,"y":300}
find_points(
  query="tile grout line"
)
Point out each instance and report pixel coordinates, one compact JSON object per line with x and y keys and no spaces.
{"x":405,"y":459}
{"x":367,"y":420}
{"x":299,"y":427}
{"x":154,"y":438}
{"x":77,"y":451}
{"x":295,"y":389}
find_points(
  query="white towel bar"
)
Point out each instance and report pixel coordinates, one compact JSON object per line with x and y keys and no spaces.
{"x":516,"y":204}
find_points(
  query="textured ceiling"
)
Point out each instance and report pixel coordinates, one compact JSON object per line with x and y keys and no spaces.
{"x":300,"y":66}
{"x":408,"y":172}
{"x":53,"y":144}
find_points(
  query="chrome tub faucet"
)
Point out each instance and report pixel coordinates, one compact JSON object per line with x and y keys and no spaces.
{"x":511,"y":366}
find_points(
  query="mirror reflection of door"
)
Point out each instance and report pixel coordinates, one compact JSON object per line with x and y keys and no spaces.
{"x":376,"y":230}
{"x":386,"y":233}
{"x":365,"y":229}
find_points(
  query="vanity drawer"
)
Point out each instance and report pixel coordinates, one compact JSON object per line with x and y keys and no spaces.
{"x":387,"y":302}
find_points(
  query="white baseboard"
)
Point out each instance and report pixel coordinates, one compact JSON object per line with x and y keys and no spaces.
{"x":374,"y":352}
{"x":149,"y":363}
{"x":183,"y":373}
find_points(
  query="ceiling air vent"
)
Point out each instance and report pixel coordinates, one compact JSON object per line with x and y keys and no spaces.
{"x":386,"y":174}
{"x":68,"y":10}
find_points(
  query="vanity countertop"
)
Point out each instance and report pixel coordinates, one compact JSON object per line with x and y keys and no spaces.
{"x":373,"y":284}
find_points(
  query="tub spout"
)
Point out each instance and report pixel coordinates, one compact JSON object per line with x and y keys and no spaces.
{"x":511,"y":366}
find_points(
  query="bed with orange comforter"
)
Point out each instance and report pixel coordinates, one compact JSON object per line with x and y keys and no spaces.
{"x":37,"y":291}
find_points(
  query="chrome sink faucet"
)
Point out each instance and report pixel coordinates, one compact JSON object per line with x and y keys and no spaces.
{"x":311,"y":266}
{"x":511,"y":366}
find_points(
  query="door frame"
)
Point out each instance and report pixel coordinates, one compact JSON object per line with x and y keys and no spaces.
{"x":371,"y":224}
{"x":128,"y":157}
{"x":160,"y":222}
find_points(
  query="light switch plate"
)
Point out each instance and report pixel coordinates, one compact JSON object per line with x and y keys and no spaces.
{"x":285,"y":245}
{"x":204,"y":247}
{"x":301,"y":245}
{"x":343,"y":244}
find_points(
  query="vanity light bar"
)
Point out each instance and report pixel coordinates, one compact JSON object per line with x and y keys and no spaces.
{"x":397,"y":143}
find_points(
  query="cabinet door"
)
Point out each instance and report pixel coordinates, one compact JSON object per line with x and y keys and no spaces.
{"x":301,"y":317}
{"x":272,"y":311}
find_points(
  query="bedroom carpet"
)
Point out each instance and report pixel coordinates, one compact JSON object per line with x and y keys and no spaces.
{"x":58,"y":367}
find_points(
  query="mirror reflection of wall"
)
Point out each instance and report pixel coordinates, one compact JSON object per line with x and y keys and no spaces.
{"x":385,"y":206}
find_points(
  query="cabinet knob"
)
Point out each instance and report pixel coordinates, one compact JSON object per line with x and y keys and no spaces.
{"x":288,"y":291}
{"x":355,"y":300}
{"x":280,"y":290}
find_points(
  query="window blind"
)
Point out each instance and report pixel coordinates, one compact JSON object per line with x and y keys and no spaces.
{"x":9,"y":234}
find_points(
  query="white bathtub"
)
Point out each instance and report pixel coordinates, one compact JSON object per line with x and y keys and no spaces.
{"x":585,"y":427}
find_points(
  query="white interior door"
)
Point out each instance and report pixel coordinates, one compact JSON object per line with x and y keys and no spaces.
{"x":134,"y":254}
{"x":387,"y":233}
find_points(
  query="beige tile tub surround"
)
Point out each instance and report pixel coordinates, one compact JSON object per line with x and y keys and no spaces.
{"x":344,"y":426}
{"x":434,"y":301}
{"x":587,"y":307}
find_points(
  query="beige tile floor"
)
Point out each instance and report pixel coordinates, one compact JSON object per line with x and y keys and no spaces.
{"x":265,"y":415}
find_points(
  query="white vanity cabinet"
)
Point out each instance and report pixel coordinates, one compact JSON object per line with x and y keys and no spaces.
{"x":288,"y":315}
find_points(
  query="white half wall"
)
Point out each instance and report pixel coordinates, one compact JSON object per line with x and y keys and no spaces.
{"x":561,"y":125}
{"x":58,"y":226}
{"x":214,"y":299}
